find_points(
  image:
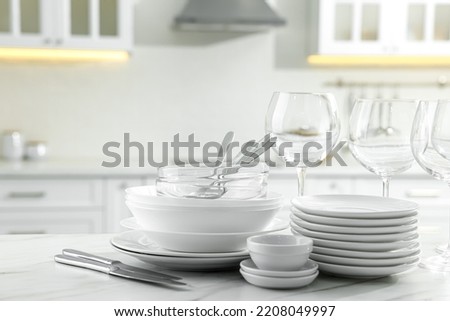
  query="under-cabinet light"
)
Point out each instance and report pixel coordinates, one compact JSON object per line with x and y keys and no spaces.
{"x":32,"y":54}
{"x":392,"y":61}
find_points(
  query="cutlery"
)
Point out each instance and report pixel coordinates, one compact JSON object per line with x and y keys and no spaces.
{"x":116,"y":264}
{"x":217,"y":188}
{"x":114,"y":270}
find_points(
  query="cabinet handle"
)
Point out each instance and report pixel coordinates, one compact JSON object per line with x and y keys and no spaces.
{"x":58,"y":41}
{"x":425,"y":193}
{"x":16,"y":195}
{"x":47,"y":41}
{"x":27,"y":232}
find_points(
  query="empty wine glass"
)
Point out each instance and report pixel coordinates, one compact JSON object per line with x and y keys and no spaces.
{"x":380,"y":136}
{"x":306,"y":127}
{"x":430,"y":142}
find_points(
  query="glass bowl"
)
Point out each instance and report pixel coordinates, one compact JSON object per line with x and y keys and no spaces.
{"x":203,"y":182}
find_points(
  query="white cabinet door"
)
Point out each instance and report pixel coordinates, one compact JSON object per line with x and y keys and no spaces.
{"x":424,"y":27}
{"x":354,"y":27}
{"x":115,"y":208}
{"x":26,"y":23}
{"x":94,"y":24}
{"x":67,"y":24}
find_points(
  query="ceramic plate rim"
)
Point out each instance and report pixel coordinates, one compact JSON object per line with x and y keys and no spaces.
{"x":341,"y":213}
{"x":159,"y":251}
{"x":279,"y":274}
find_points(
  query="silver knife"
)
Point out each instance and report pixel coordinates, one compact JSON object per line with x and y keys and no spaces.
{"x":116,"y":263}
{"x":114,"y":270}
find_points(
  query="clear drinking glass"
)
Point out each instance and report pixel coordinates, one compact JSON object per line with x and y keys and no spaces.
{"x":430,"y":142}
{"x":301,"y":123}
{"x":380,"y":136}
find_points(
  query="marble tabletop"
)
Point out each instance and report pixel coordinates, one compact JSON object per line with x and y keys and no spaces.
{"x":28,"y":272}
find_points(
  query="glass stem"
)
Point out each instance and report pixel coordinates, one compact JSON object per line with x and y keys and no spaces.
{"x":447,"y":252}
{"x":301,"y":173}
{"x":386,"y":181}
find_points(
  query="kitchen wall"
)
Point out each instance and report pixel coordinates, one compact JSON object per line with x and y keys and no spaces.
{"x":177,"y":82}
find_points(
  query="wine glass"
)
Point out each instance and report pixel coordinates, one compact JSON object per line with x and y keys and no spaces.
{"x":380,"y":136}
{"x":306,"y":128}
{"x":430,"y":142}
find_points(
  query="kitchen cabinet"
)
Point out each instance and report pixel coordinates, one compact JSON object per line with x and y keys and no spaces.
{"x":115,"y":207}
{"x":384,"y":27}
{"x":66,"y":24}
{"x":64,"y":205}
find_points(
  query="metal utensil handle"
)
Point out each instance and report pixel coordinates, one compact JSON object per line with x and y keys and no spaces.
{"x":87,"y":256}
{"x":87,"y":264}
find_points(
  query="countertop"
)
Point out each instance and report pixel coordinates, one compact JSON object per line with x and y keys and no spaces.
{"x":76,"y":168}
{"x":28,"y":272}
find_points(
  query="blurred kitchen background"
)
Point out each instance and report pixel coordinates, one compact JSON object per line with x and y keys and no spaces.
{"x":135,"y":70}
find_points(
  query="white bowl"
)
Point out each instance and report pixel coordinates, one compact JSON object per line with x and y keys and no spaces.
{"x":203,"y":242}
{"x":202,"y":208}
{"x":149,"y":196}
{"x":209,"y":220}
{"x":279,"y":252}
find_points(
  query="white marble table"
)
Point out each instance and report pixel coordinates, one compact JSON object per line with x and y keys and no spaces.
{"x":28,"y":272}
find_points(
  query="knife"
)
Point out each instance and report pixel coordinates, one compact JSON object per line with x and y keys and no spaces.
{"x":113,"y":270}
{"x":116,"y":263}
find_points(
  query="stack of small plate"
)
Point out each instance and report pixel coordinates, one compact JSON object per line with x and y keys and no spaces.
{"x":357,"y":235}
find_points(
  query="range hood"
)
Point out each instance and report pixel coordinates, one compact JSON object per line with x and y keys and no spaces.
{"x":228,"y":15}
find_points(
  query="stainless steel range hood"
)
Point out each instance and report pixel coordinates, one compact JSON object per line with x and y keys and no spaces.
{"x":228,"y":15}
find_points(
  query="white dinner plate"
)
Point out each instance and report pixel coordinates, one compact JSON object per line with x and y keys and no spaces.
{"x":340,"y":260}
{"x":392,"y":237}
{"x":187,"y":263}
{"x":278,"y":283}
{"x":250,"y":267}
{"x":203,"y":242}
{"x":363,"y":246}
{"x":407,"y":251}
{"x":352,"y":271}
{"x":352,"y":230}
{"x":355,"y":206}
{"x":137,"y":241}
{"x":365,"y":222}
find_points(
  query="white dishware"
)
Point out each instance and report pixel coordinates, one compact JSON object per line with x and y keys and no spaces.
{"x":137,"y":241}
{"x":353,"y":271}
{"x":379,"y":136}
{"x":352,"y":230}
{"x":214,"y":181}
{"x":349,"y":222}
{"x":402,"y":252}
{"x":213,"y":220}
{"x":341,"y":260}
{"x":309,"y":268}
{"x":279,"y":252}
{"x":203,"y":242}
{"x":12,"y":145}
{"x":430,"y":141}
{"x":187,"y":263}
{"x":148,"y":195}
{"x":355,"y":206}
{"x":300,"y":120}
{"x":364,"y":246}
{"x":392,"y":237}
{"x":35,"y":150}
{"x":278,"y":283}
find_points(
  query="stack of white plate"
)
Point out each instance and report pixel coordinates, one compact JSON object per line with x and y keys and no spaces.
{"x":194,"y":234}
{"x":357,"y":235}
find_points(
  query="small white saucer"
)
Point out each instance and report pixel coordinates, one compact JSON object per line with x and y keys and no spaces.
{"x":278,"y":283}
{"x":308,"y":269}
